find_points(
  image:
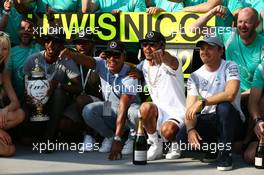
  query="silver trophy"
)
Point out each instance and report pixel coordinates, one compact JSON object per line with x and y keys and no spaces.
{"x":37,"y":87}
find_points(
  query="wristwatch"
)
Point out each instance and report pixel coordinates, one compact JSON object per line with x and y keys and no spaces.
{"x":203,"y":102}
{"x":117,"y":138}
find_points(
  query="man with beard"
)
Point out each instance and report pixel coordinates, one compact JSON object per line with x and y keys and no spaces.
{"x":63,"y":76}
{"x":243,"y":45}
{"x":165,"y":115}
{"x":19,"y":54}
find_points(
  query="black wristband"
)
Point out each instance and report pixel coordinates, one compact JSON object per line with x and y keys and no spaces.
{"x":190,"y":130}
{"x":203,"y":102}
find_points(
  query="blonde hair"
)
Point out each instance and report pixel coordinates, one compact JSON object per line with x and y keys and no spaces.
{"x":5,"y":41}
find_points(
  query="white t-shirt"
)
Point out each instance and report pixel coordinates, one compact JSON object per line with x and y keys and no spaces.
{"x":166,"y":88}
{"x":205,"y":84}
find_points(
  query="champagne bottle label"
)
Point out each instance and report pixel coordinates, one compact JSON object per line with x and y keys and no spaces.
{"x":140,"y":155}
{"x":258,"y":161}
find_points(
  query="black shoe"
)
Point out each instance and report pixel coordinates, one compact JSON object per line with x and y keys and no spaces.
{"x":225,"y":162}
{"x":210,"y":157}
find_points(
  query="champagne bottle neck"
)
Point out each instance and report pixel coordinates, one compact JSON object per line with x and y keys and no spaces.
{"x":261,"y":141}
{"x":140,"y":127}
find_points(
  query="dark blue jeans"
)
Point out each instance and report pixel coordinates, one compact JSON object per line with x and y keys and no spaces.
{"x":224,"y":126}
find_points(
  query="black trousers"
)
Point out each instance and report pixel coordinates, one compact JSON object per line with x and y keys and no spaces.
{"x":224,"y":126}
{"x":54,"y":108}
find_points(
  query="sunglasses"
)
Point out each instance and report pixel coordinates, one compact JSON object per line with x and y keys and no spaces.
{"x":151,"y":44}
{"x":115,"y":55}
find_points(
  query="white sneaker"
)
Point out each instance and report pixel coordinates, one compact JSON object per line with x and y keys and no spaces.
{"x":128,"y":147}
{"x":155,"y":150}
{"x":106,"y":145}
{"x":88,"y":143}
{"x":174,"y":152}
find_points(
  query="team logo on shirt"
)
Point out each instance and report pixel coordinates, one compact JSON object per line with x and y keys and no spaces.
{"x":204,"y":84}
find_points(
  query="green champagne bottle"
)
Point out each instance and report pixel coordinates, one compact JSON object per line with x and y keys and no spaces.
{"x":140,"y":146}
{"x":259,"y":156}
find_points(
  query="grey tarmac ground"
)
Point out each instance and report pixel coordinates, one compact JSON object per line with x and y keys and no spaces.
{"x":30,"y":162}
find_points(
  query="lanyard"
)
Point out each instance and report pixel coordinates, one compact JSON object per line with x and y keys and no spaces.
{"x":109,"y":85}
{"x":84,"y":82}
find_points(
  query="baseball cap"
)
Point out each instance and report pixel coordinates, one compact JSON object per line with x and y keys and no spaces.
{"x":115,"y":46}
{"x":211,"y":40}
{"x":83,"y":37}
{"x":58,"y":37}
{"x":153,"y":36}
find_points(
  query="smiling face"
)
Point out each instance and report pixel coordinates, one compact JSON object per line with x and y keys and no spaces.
{"x":150,"y":47}
{"x":26,"y":33}
{"x":4,"y":47}
{"x":115,"y":61}
{"x":246,"y":23}
{"x":85,"y":47}
{"x":210,"y":55}
{"x":53,"y":49}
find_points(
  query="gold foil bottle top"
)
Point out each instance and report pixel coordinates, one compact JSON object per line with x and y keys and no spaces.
{"x":37,"y":72}
{"x":140,"y":126}
{"x":261,"y":140}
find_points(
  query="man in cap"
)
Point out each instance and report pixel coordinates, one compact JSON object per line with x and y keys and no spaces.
{"x":165,"y":115}
{"x":244,"y":46}
{"x":213,"y":89}
{"x":119,"y":92}
{"x":63,"y":76}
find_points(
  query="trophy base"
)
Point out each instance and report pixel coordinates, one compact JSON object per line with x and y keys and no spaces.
{"x":39,"y":118}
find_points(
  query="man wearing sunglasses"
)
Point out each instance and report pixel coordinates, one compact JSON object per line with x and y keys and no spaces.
{"x":165,"y":115}
{"x":119,"y":92}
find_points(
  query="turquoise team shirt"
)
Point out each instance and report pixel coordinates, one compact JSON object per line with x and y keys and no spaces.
{"x":167,"y":5}
{"x":59,"y":5}
{"x":15,"y":66}
{"x":246,"y":56}
{"x":13,"y":25}
{"x":219,"y":21}
{"x":256,"y":4}
{"x":123,"y":5}
{"x":258,"y":80}
{"x":193,"y":2}
{"x":233,"y":5}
